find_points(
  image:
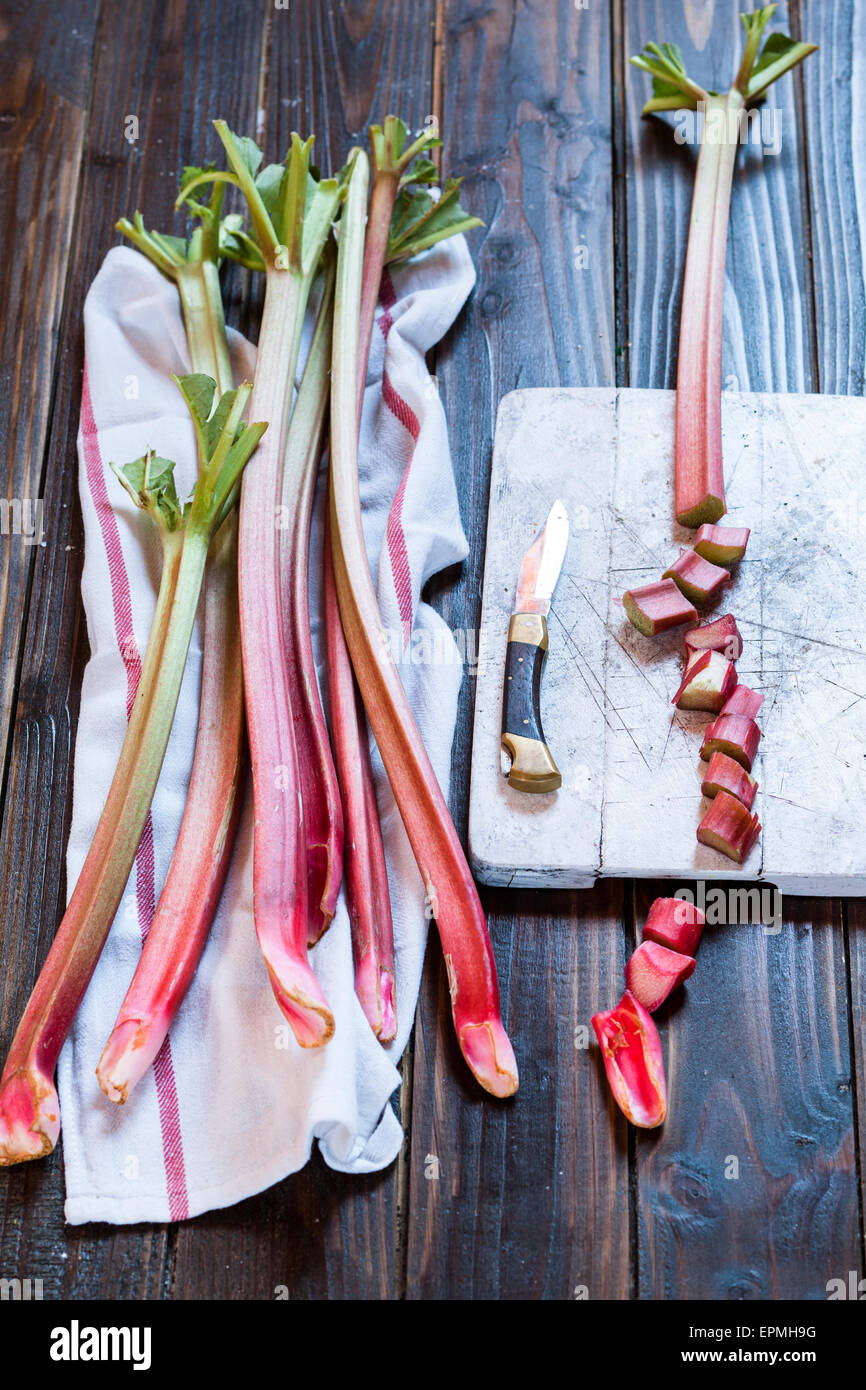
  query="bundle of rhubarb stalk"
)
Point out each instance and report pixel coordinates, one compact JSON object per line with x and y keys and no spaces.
{"x":323,"y":245}
{"x":630,"y":1043}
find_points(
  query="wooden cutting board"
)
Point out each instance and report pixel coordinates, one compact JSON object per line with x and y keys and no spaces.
{"x":630,"y":800}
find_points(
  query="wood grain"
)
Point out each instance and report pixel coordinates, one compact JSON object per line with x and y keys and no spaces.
{"x":506,"y":1218}
{"x":750,"y":1191}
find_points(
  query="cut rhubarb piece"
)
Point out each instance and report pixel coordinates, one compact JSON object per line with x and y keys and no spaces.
{"x":743,"y":701}
{"x":654,"y":971}
{"x":674,"y":923}
{"x":696,"y":578}
{"x":721,"y":635}
{"x":709,"y":680}
{"x":729,"y":828}
{"x":726,"y":775}
{"x":722,"y":545}
{"x":657,"y":606}
{"x":632,"y":1053}
{"x":735,"y":735}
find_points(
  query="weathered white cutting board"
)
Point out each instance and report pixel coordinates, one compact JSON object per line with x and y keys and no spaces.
{"x":630,"y":801}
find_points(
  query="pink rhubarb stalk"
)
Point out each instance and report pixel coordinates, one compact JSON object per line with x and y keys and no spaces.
{"x":29,"y":1110}
{"x":699,"y":477}
{"x":632,"y":1053}
{"x":292,"y":216}
{"x":400,"y":223}
{"x":654,"y":971}
{"x":655,"y":607}
{"x":451,"y":892}
{"x":674,"y":923}
{"x":320,"y":790}
{"x":191,"y":893}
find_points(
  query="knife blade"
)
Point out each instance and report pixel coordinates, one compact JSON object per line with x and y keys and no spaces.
{"x":533,"y":768}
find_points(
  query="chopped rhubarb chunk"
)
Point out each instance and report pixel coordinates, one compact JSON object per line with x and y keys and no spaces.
{"x":696,"y":578}
{"x":653,"y":971}
{"x":709,"y":680}
{"x":743,"y":701}
{"x":674,"y":923}
{"x":721,"y":635}
{"x":722,"y":545}
{"x":657,"y":606}
{"x":726,"y":775}
{"x":729,"y":828}
{"x":632,"y":1053}
{"x":735,"y":735}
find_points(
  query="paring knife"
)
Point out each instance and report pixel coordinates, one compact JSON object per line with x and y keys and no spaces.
{"x":532,"y":765}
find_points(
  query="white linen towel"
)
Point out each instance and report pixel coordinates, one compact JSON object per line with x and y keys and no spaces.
{"x":233,"y":1104}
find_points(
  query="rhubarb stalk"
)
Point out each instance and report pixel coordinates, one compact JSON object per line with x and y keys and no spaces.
{"x":699,"y":473}
{"x":451,"y":892}
{"x":191,"y":892}
{"x":29,"y":1109}
{"x":292,"y":215}
{"x":402,"y":220}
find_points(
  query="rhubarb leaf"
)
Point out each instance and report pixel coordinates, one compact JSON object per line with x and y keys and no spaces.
{"x":673,"y":89}
{"x":779,"y":54}
{"x":420,"y":221}
{"x":149,"y":480}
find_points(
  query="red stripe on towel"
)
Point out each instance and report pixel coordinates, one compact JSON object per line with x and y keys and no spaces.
{"x":166,"y":1087}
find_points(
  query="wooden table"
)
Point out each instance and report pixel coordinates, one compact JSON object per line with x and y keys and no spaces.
{"x":541,"y":113}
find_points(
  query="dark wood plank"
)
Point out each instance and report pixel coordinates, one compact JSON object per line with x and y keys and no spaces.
{"x":856,"y":920}
{"x":836,"y":168}
{"x":44,"y":77}
{"x":174,"y":65}
{"x":532,"y":1194}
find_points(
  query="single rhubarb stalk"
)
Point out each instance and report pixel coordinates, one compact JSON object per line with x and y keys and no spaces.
{"x":362,"y":821}
{"x":699,"y":473}
{"x":655,"y":607}
{"x":402,"y":221}
{"x":698,"y":580}
{"x":654,"y":971}
{"x":674,"y":923}
{"x":29,"y":1109}
{"x":292,"y":216}
{"x":191,"y":892}
{"x":632,"y":1053}
{"x":320,"y":790}
{"x":725,"y":774}
{"x":451,"y":892}
{"x":721,"y":635}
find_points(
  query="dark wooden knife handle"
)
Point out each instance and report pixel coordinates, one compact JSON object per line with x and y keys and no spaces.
{"x":532,"y":766}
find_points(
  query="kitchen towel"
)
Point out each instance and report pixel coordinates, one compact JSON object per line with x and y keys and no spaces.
{"x":233,"y":1104}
